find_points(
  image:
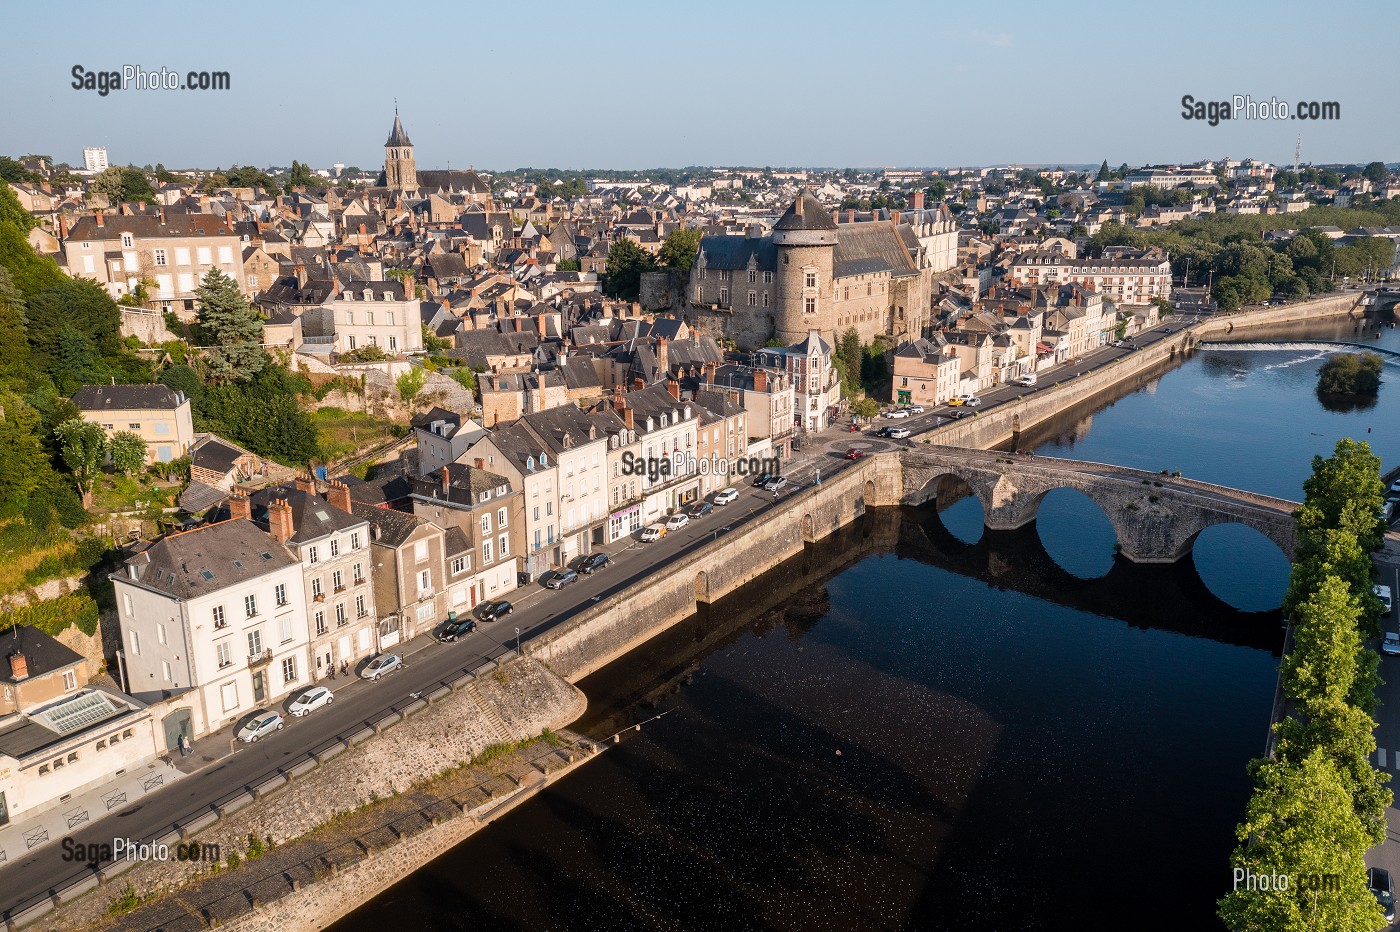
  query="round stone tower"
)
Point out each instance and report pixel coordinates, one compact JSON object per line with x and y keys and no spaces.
{"x":806,"y":240}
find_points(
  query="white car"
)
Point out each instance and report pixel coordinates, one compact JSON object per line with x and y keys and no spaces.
{"x":384,"y":663}
{"x":725,"y":496}
{"x":1383,"y":593}
{"x":970,"y":401}
{"x":914,"y":409}
{"x":653,"y":532}
{"x":1391,"y":644}
{"x":262,"y":723}
{"x":1026,"y":380}
{"x":896,"y":413}
{"x":677,"y":521}
{"x":311,"y":700}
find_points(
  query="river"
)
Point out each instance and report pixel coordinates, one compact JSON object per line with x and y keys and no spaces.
{"x":921,"y":725}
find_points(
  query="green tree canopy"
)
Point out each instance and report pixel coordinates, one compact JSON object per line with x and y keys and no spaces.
{"x":1347,"y":491}
{"x":125,"y":184}
{"x":128,"y":452}
{"x":232,"y":327}
{"x":626,"y":263}
{"x":679,"y":249}
{"x":82,"y":444}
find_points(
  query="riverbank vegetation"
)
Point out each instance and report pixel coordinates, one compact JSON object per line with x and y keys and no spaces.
{"x":1350,"y":374}
{"x":1318,"y":804}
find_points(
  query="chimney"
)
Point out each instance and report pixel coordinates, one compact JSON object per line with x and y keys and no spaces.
{"x":160,"y":212}
{"x":239,"y":506}
{"x":479,"y":463}
{"x":918,"y":200}
{"x":850,"y":216}
{"x":895,"y":214}
{"x":98,"y":219}
{"x":339,"y":495}
{"x":446,"y":479}
{"x":279,"y":520}
{"x":519,"y":324}
{"x":228,"y":222}
{"x":638,"y":384}
{"x":628,"y":418}
{"x":618,"y":401}
{"x":19,"y":667}
{"x":760,"y":380}
{"x":709,"y":373}
{"x":299,"y":271}
{"x":62,"y":227}
{"x":305,"y":484}
{"x":663,"y":355}
{"x":410,"y":286}
{"x":539,"y":325}
{"x":363,"y":231}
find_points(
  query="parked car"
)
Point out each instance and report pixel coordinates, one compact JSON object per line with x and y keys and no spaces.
{"x":653,"y":532}
{"x":762,"y":480}
{"x":970,"y":401}
{"x":457,"y":628}
{"x":1378,"y":880}
{"x":593,"y":563}
{"x":957,"y":414}
{"x":775,"y":484}
{"x":725,"y":496}
{"x":1391,"y":644}
{"x":700,"y":509}
{"x":1166,"y":329}
{"x":954,"y":402}
{"x":496,"y":608}
{"x":677,"y":521}
{"x":897,"y":413}
{"x":854,"y":453}
{"x":1383,"y":593}
{"x":560,"y":579}
{"x":384,"y":663}
{"x":898,"y":433}
{"x":1026,"y":380}
{"x":914,"y":409}
{"x":311,"y":700}
{"x":262,"y":723}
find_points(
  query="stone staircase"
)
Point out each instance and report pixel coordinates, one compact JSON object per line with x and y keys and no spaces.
{"x":493,"y":718}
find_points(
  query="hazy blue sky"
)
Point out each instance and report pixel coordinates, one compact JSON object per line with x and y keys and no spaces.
{"x":759,"y":82}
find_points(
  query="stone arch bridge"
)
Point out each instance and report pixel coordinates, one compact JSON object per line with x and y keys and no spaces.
{"x":1155,"y":517}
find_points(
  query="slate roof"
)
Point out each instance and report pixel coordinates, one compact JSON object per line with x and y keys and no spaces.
{"x":42,"y":652}
{"x":465,"y":485}
{"x":209,"y":558}
{"x":734,"y":252}
{"x":312,"y":516}
{"x":865,"y":248}
{"x":805,"y":213}
{"x":127,"y":398}
{"x":397,"y":137}
{"x":215,"y":454}
{"x":388,"y":527}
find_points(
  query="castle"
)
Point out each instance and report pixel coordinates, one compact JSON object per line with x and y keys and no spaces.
{"x":811,"y":273}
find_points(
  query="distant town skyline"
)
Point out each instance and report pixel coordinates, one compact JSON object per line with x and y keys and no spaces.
{"x":635,"y":86}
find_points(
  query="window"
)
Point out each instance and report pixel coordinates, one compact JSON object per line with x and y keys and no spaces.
{"x":338,"y":581}
{"x":753,"y":276}
{"x":391,"y":316}
{"x":459,"y":566}
{"x":182,"y":255}
{"x":753,"y":299}
{"x":284,"y":625}
{"x":765,"y":299}
{"x":320,"y":622}
{"x":281,"y":592}
{"x":811,"y":279}
{"x":313,"y":556}
{"x":354,"y":540}
{"x":486,"y":524}
{"x":127,"y":241}
{"x":504,"y":545}
{"x":360,"y":611}
{"x":359,"y":574}
{"x":159,"y":256}
{"x":226,"y":254}
{"x":486,"y":556}
{"x":254,"y":642}
{"x":810,"y":305}
{"x":229,"y":694}
{"x":425,"y":581}
{"x":135,"y":643}
{"x":335,"y":548}
{"x":340,"y":620}
{"x":223,"y":653}
{"x":767,"y":278}
{"x":204,"y":255}
{"x":317,"y":591}
{"x":425,"y":611}
{"x":724,"y":296}
{"x":420,"y":551}
{"x":500,"y":518}
{"x":393,"y":342}
{"x":250,"y":605}
{"x":70,"y":680}
{"x":289,"y":669}
{"x":165,"y":671}
{"x":160,"y":632}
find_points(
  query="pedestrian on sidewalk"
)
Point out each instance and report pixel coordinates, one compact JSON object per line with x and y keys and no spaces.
{"x":344,"y":668}
{"x":184,"y":745}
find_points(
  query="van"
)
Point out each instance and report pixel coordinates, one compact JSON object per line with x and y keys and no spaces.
{"x":1383,"y":593}
{"x":1027,"y":380}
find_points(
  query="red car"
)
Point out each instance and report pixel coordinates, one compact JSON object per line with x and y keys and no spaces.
{"x":854,"y":453}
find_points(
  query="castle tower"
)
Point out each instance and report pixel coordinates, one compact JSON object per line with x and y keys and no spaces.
{"x":400,"y":172}
{"x":806,"y":241}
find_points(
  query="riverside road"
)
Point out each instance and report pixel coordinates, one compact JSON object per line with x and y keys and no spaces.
{"x":220,"y":769}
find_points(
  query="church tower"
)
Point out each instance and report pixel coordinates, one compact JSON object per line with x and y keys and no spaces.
{"x":806,"y":241}
{"x":400,"y":172}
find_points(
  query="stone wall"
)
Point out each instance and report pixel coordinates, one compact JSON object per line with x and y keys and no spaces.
{"x":147,"y":326}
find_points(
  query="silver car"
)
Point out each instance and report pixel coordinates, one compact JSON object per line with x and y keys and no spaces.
{"x":262,"y":723}
{"x":311,"y":700}
{"x":384,"y":663}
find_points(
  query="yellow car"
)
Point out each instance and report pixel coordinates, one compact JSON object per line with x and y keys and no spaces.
{"x":954,"y":402}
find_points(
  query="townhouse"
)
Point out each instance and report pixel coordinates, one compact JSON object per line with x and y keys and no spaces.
{"x":157,"y":414}
{"x":488,"y":514}
{"x":412,"y":580}
{"x":816,"y":385}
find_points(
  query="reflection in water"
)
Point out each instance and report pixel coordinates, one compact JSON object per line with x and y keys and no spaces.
{"x":1345,"y":403}
{"x":999,"y":722}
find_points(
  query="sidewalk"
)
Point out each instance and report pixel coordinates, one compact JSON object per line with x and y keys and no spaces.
{"x":52,"y":823}
{"x":205,"y":751}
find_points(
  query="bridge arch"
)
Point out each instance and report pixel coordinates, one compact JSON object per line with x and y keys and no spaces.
{"x":1076,"y":531}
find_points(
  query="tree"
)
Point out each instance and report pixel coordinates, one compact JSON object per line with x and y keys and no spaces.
{"x":185,"y":380}
{"x":232,"y":326}
{"x":936,"y":191}
{"x":679,"y":249}
{"x":1375,"y":173}
{"x":1347,"y":492}
{"x":74,"y":330}
{"x":1301,"y":826}
{"x":464,"y":377}
{"x":1350,"y":374}
{"x":24,"y":464}
{"x":411,"y":383}
{"x":626,"y":263}
{"x":128,"y":452}
{"x":124,"y":184}
{"x":14,"y":348}
{"x":1104,"y":173}
{"x":31,"y":272}
{"x":1322,"y":664}
{"x":566,"y":265}
{"x":82,"y":445}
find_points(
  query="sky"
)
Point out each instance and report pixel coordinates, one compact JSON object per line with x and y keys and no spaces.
{"x":625,"y":85}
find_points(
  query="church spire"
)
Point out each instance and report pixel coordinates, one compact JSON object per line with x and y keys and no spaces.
{"x":398,"y":137}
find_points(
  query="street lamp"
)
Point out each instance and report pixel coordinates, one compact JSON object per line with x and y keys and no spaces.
{"x":517,"y":640}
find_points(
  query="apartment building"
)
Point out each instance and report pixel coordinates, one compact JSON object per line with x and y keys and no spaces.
{"x":157,"y":414}
{"x":174,"y":251}
{"x":383,"y":314}
{"x":926,"y":371}
{"x":1124,"y":278}
{"x":414,"y":581}
{"x":484,"y":509}
{"x":816,"y":385}
{"x":215,"y":620}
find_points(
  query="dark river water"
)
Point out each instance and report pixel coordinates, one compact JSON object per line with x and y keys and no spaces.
{"x":919,"y":725}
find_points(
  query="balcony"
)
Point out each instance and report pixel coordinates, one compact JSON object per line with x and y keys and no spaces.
{"x":319,"y":597}
{"x":260,"y":659}
{"x":339,"y":589}
{"x":424,"y":594}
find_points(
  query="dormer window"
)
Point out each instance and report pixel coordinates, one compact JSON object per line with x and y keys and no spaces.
{"x":544,"y":459}
{"x":529,"y":464}
{"x":127,"y":241}
{"x":368,"y":294}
